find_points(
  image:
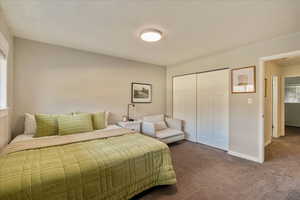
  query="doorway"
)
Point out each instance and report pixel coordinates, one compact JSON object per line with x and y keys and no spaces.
{"x":281,"y":98}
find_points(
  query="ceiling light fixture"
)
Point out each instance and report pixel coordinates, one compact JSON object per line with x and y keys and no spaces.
{"x":151,"y":35}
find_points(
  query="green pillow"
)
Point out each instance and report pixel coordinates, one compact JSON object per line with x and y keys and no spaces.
{"x":46,"y":125}
{"x":71,"y":124}
{"x":98,"y":119}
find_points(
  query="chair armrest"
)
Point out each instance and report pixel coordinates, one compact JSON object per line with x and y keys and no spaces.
{"x":148,"y":128}
{"x":174,"y":123}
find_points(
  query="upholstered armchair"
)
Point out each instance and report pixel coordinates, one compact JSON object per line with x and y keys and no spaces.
{"x":164,"y":129}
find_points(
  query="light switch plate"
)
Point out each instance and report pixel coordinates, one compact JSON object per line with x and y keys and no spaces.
{"x":250,"y":101}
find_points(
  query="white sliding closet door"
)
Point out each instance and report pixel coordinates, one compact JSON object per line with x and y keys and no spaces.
{"x":184,"y":103}
{"x":213,"y":108}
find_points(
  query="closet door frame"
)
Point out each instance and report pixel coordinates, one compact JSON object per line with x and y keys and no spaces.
{"x":220,"y":69}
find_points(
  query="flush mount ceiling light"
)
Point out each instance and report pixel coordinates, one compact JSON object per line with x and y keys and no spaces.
{"x":151,"y":35}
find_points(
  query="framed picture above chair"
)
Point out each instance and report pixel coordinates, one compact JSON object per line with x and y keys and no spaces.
{"x":141,"y":93}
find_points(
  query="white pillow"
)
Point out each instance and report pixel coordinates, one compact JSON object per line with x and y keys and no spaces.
{"x":160,"y":125}
{"x":30,"y":124}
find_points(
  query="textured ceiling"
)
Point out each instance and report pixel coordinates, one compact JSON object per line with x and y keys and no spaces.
{"x":192,"y":28}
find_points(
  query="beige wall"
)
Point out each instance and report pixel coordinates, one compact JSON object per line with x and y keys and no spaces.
{"x":245,"y":118}
{"x":272,"y":69}
{"x":5,"y":134}
{"x":292,"y":70}
{"x":53,"y":79}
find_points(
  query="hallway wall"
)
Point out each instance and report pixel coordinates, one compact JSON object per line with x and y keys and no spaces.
{"x":271,"y":69}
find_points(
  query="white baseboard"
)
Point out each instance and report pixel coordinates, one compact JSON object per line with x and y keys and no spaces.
{"x":244,"y":156}
{"x":267,"y":143}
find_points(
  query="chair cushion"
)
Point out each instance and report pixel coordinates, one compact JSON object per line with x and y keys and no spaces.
{"x":160,"y":125}
{"x":172,"y":139}
{"x":154,"y":118}
{"x":168,"y":132}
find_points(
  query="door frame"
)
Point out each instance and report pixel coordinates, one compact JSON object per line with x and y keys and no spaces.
{"x":275,"y":102}
{"x":261,"y":71}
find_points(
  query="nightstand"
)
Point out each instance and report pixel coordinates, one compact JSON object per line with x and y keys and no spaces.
{"x":132,"y":125}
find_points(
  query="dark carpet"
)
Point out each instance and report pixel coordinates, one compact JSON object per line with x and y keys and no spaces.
{"x":204,"y":173}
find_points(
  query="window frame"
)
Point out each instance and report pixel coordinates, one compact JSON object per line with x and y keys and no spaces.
{"x":4,"y":50}
{"x":296,"y":93}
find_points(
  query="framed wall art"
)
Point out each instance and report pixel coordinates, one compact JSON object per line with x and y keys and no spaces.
{"x":243,"y":80}
{"x":141,"y":93}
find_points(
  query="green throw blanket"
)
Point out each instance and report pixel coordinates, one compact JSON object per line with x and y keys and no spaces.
{"x":113,"y":168}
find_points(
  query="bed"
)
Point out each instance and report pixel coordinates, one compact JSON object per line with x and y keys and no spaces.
{"x":112,"y":164}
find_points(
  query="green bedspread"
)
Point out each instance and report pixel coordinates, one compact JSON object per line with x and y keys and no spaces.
{"x":113,"y":168}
